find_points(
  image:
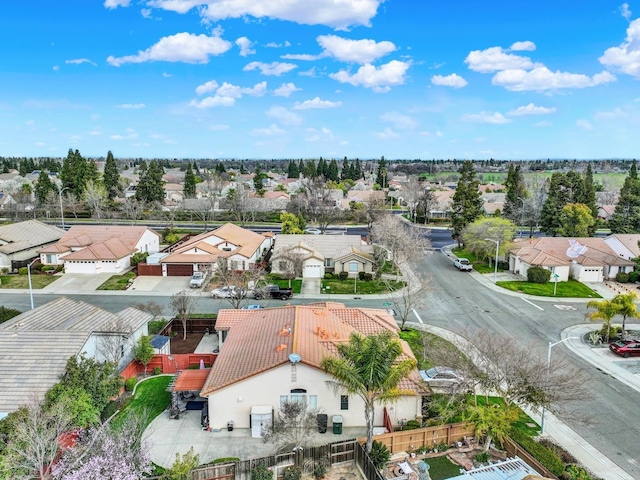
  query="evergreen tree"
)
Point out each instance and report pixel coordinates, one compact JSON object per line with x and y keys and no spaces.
{"x":301,"y":169}
{"x":243,"y":170}
{"x":220,"y":168}
{"x":43,"y":187}
{"x":293,"y":171}
{"x":189,"y":188}
{"x":76,"y":171}
{"x":467,"y":200}
{"x":111,"y":176}
{"x":516,"y":193}
{"x":352,"y":175}
{"x":151,"y":186}
{"x":91,"y":173}
{"x":344,"y":174}
{"x":558,"y":196}
{"x":332,"y":171}
{"x":196,"y":170}
{"x":321,"y":169}
{"x":381,"y":178}
{"x":22,"y":169}
{"x":626,"y":217}
{"x":589,"y":197}
{"x":358,"y":170}
{"x":310,"y":169}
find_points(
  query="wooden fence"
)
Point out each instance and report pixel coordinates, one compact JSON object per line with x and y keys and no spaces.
{"x":330,"y":454}
{"x":169,"y":363}
{"x":194,"y":325}
{"x":513,"y":449}
{"x":410,"y":440}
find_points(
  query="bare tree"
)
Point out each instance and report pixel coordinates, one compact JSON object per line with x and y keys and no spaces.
{"x":183,"y":304}
{"x":292,"y":428}
{"x":316,"y":203}
{"x":240,"y":281}
{"x":411,"y":193}
{"x":112,"y":345}
{"x":426,"y":202}
{"x":132,"y":209}
{"x":237,"y":203}
{"x":151,"y":307}
{"x":72,"y":203}
{"x":411,"y":297}
{"x":95,"y":196}
{"x":290,"y":263}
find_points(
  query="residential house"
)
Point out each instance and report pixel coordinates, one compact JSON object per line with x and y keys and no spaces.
{"x":322,"y":254}
{"x":100,"y":248}
{"x":270,"y":201}
{"x":20,"y":242}
{"x":40,"y":342}
{"x":274,"y":355}
{"x":605,"y":212}
{"x":443,"y":200}
{"x":585,"y":259}
{"x":239,"y":247}
{"x":624,"y":245}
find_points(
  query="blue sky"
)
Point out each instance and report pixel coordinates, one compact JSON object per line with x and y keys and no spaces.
{"x":403,"y":79}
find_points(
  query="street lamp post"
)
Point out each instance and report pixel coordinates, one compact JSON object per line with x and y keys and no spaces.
{"x":495,"y":267}
{"x":30,"y":287}
{"x":551,"y":345}
{"x":61,"y":209}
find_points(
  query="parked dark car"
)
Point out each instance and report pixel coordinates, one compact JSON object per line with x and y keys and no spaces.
{"x":625,"y":348}
{"x":273,"y":291}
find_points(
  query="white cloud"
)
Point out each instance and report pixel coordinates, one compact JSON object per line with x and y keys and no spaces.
{"x":79,"y":61}
{"x":245,"y":46}
{"x":339,"y":15}
{"x":272,"y":69}
{"x":285,"y":90}
{"x":305,"y":57}
{"x":543,"y":124}
{"x":532,"y":109}
{"x":453,"y":81}
{"x":354,"y":51}
{"x":271,"y":131}
{"x":284,"y":115}
{"x":316,"y":103}
{"x":219,"y":127}
{"x":626,"y":57}
{"x":277,"y":45}
{"x":181,"y":47}
{"x":40,"y":144}
{"x":130,"y":134}
{"x":494,"y":59}
{"x":116,"y":3}
{"x":131,"y":106}
{"x":541,"y":78}
{"x":379,"y":79}
{"x":523,"y":46}
{"x":399,"y":120}
{"x":145,"y":12}
{"x":308,"y":73}
{"x":625,"y":11}
{"x":387,"y":134}
{"x":95,"y":133}
{"x":55,"y":68}
{"x":584,"y":124}
{"x":611,"y":115}
{"x":215,"y":101}
{"x":495,"y":118}
{"x":315,"y":135}
{"x":166,"y":75}
{"x":207,"y":87}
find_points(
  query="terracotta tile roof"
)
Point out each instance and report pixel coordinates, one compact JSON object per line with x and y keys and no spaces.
{"x":259,"y":340}
{"x":247,"y":241}
{"x":190,"y":380}
{"x":85,"y":235}
{"x":111,"y":249}
{"x":552,"y":251}
{"x":353,"y":251}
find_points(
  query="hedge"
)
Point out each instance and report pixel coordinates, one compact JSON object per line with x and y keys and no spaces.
{"x":538,"y":275}
{"x":546,"y":457}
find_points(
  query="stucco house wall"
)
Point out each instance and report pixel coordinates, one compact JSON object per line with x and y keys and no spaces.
{"x":234,"y":402}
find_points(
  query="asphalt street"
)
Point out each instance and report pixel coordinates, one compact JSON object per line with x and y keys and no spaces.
{"x":607,"y":417}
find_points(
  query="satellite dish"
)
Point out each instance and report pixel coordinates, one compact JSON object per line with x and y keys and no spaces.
{"x":294,"y":357}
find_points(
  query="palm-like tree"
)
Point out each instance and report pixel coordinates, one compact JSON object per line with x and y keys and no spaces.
{"x":626,"y":307}
{"x":605,"y":310}
{"x":370,"y":368}
{"x":492,"y":421}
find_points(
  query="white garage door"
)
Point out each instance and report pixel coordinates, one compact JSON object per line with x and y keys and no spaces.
{"x":591,"y":275}
{"x":312,"y":271}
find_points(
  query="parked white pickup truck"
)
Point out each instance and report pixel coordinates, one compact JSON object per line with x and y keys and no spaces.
{"x":463,"y":265}
{"x":198,"y":279}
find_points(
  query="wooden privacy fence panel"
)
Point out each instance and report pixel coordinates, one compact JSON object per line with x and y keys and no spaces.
{"x":513,"y":449}
{"x":409,"y":440}
{"x":169,"y":363}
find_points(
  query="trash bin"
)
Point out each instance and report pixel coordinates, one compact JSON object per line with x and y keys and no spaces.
{"x":322,"y":419}
{"x":230,"y":426}
{"x":337,"y":424}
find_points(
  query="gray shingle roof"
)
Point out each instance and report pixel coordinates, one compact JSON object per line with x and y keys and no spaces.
{"x":25,"y":235}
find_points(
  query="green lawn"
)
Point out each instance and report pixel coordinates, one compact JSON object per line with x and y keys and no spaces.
{"x":296,"y":283}
{"x":571,"y":289}
{"x":441,"y":468}
{"x":151,"y":397}
{"x":479,"y":265}
{"x":117,"y":282}
{"x":432,"y":342}
{"x":22,"y":281}
{"x":359,"y":287}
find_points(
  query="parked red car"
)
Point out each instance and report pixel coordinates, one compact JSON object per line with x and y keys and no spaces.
{"x":625,"y":348}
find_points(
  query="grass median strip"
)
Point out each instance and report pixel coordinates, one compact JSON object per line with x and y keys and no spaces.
{"x":570,"y":289}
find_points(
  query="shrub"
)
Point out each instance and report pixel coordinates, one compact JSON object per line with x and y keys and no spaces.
{"x":157,"y":370}
{"x":319,"y":470}
{"x":22,"y":271}
{"x":574,"y":472}
{"x":545,"y":456}
{"x":109,"y":410}
{"x":292,"y":473}
{"x":130,"y":383}
{"x":538,"y":275}
{"x":633,"y":276}
{"x":379,"y":454}
{"x":482,"y":457}
{"x":261,"y":472}
{"x":220,"y":460}
{"x":155,"y":326}
{"x":622,"y":277}
{"x":412,"y":425}
{"x":48,"y":268}
{"x":171,"y":238}
{"x":360,"y":275}
{"x":343,"y":275}
{"x":37,"y":267}
{"x":614,"y":331}
{"x":328,"y":276}
{"x":138,"y":257}
{"x":368,"y":277}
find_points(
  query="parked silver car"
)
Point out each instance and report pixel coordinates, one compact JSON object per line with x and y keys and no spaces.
{"x":228,"y":291}
{"x":443,"y":378}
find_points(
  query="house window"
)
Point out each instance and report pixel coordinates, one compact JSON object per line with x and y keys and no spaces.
{"x":50,"y":259}
{"x":121,"y":351}
{"x":344,"y":402}
{"x":300,"y":395}
{"x":353,"y":266}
